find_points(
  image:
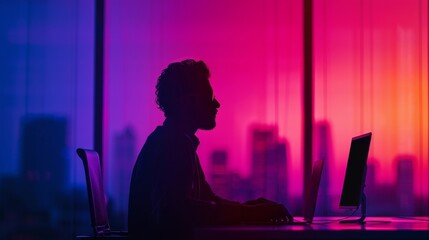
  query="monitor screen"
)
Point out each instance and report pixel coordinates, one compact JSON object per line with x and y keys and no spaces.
{"x":354,"y":180}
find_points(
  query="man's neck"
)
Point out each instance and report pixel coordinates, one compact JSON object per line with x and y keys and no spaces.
{"x":180,"y":125}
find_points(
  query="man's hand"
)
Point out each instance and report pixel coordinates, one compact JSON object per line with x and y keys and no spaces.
{"x":263,"y":210}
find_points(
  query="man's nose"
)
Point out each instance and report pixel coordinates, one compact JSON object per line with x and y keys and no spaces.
{"x":216,"y":103}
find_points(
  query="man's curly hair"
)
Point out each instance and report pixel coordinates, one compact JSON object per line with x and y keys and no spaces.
{"x":177,"y":80}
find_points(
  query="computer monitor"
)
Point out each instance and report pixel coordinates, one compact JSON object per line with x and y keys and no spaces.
{"x":354,"y":182}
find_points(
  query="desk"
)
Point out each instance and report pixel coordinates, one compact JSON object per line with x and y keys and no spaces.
{"x":323,"y":228}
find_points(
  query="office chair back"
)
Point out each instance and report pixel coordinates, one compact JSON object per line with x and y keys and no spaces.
{"x":95,"y":188}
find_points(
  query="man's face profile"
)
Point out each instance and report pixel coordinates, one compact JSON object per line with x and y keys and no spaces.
{"x":204,"y":107}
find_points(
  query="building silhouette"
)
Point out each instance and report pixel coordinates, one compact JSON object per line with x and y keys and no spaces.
{"x":404,"y":184}
{"x":241,"y":189}
{"x":263,"y":141}
{"x":276,"y":175}
{"x":38,"y":198}
{"x":44,"y":164}
{"x":219,"y":176}
{"x":370,"y":189}
{"x":269,"y":163}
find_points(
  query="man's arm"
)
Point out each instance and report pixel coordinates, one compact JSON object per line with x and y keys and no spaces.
{"x":215,"y":210}
{"x":225,"y":212}
{"x":222,"y":212}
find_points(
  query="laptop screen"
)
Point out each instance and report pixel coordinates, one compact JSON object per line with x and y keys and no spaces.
{"x":312,"y":191}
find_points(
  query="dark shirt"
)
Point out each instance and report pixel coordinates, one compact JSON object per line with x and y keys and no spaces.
{"x":169,"y":194}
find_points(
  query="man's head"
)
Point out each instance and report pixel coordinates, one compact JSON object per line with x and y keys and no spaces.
{"x":184,"y":93}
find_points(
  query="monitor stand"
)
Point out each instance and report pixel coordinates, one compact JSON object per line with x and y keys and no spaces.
{"x":361,"y":220}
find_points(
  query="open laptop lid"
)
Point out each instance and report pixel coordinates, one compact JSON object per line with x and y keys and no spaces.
{"x":312,"y":192}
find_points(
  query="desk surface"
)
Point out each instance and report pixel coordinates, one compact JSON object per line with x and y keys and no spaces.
{"x":325,"y":228}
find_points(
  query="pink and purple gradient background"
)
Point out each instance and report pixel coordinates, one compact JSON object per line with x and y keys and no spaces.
{"x":370,"y":74}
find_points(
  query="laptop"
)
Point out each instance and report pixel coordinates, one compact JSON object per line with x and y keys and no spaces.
{"x":310,"y":199}
{"x":310,"y":194}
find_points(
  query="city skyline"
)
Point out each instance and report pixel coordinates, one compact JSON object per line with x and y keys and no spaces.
{"x":126,"y":150}
{"x":270,"y":158}
{"x":400,"y":196}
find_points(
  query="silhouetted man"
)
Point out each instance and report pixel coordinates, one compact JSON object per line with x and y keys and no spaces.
{"x":169,"y":194}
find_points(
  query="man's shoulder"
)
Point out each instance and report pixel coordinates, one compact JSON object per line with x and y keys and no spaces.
{"x":163,"y":138}
{"x":166,"y":147}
